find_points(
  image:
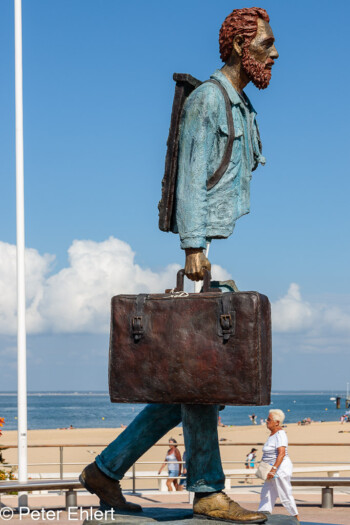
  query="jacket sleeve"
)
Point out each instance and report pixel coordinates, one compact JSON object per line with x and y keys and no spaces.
{"x":197,"y":138}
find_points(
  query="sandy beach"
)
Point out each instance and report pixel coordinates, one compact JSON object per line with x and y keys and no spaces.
{"x":93,"y":440}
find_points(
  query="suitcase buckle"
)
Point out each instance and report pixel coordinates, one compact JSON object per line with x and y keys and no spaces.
{"x":137,"y":327}
{"x":226,"y":325}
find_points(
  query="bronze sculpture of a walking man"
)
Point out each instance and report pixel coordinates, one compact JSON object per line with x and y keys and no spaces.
{"x":248,"y":51}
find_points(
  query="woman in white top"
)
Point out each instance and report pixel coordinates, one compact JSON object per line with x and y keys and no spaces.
{"x":275,"y":452}
{"x":174,"y":467}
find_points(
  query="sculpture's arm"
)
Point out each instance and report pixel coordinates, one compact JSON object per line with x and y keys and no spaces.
{"x":198,"y":129}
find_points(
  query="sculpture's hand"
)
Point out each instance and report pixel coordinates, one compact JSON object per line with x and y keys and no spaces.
{"x":196,"y":263}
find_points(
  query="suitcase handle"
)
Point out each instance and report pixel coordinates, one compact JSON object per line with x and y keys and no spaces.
{"x":180,"y":281}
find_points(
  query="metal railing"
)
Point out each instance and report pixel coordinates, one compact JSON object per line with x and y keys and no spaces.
{"x":135,"y":476}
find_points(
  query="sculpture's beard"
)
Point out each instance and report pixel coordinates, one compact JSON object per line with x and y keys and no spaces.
{"x":256,"y":71}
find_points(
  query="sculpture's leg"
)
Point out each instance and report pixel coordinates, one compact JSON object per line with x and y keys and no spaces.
{"x":204,"y":469}
{"x":146,"y":429}
{"x":205,"y":476}
{"x":102,"y":477}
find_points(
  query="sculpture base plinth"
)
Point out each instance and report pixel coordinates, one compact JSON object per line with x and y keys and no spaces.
{"x":166,"y":516}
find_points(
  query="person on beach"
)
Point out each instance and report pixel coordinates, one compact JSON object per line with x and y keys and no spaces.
{"x":278,"y":481}
{"x":183,"y":480}
{"x":250,"y":462}
{"x":220,"y":423}
{"x":172,"y":459}
{"x":253,"y":419}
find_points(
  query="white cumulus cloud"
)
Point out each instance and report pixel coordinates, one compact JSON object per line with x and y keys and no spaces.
{"x":37,"y":268}
{"x":77,"y":298}
{"x":291,"y":313}
{"x":322,"y":326}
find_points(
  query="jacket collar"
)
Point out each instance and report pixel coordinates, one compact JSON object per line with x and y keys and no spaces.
{"x":234,"y":97}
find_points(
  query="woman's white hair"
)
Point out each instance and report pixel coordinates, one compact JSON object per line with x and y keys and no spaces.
{"x":277,"y":415}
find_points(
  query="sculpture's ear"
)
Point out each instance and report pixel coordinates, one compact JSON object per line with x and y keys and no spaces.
{"x":238,"y":43}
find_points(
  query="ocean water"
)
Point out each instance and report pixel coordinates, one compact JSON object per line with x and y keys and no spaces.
{"x":94,"y":409}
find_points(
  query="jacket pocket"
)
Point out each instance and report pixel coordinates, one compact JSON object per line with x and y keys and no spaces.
{"x":223,"y":129}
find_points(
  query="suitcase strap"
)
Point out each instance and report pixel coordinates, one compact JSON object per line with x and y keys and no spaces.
{"x":227,"y":320}
{"x":137,"y":321}
{"x":227,"y":326}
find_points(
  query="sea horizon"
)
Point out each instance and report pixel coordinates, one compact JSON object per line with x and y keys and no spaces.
{"x":93,"y":409}
{"x":340,"y":392}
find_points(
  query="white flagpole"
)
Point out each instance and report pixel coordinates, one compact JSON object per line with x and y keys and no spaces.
{"x":21,"y":305}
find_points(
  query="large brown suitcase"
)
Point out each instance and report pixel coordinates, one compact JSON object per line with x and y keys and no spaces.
{"x":207,"y":348}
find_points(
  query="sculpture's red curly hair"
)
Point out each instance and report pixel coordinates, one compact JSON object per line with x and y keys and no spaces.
{"x":240,"y":22}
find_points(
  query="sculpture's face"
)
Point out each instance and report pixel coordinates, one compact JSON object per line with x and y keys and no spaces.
{"x":259,"y":57}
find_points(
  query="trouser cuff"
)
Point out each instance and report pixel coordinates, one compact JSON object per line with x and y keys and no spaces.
{"x":200,"y":495}
{"x":203,"y":488}
{"x":113,"y":475}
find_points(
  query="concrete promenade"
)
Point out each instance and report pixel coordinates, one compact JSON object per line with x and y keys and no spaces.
{"x":309,"y":505}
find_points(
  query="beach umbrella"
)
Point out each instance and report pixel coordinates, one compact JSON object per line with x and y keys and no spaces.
{"x":21,"y":304}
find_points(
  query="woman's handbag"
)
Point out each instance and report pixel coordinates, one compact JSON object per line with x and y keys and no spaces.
{"x":263,"y":470}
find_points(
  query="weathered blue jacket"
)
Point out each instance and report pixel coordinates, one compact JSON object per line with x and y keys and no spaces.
{"x":203,"y":215}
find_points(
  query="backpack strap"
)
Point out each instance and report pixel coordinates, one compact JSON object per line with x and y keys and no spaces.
{"x":217,"y":175}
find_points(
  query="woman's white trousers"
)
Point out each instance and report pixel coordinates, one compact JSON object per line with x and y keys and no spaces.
{"x":279,"y":488}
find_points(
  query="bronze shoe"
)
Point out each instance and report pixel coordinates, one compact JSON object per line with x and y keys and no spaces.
{"x":218,"y":506}
{"x":106,"y":488}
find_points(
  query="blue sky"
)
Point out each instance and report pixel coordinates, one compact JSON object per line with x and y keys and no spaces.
{"x":98,"y":91}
